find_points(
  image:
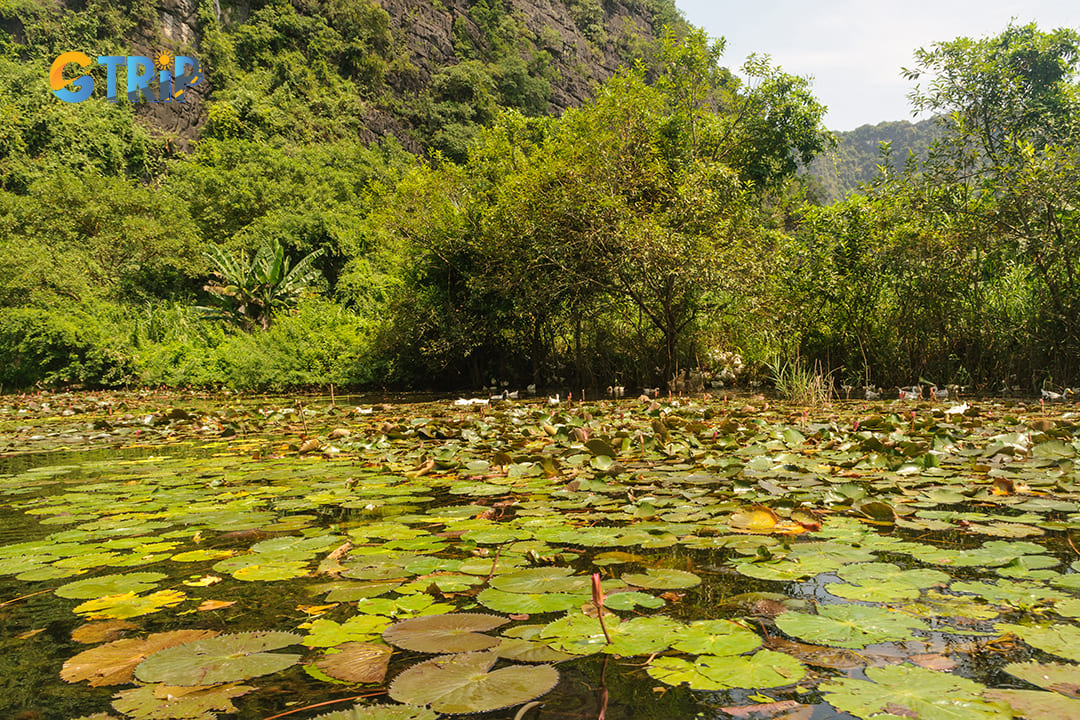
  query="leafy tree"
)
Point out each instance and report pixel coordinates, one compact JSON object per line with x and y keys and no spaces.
{"x":250,"y":293}
{"x":1010,"y":104}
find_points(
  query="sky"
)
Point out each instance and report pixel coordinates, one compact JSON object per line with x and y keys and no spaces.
{"x":854,"y":51}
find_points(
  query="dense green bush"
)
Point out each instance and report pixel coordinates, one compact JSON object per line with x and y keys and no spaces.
{"x":68,"y":346}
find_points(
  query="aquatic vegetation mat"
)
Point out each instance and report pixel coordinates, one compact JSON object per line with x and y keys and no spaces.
{"x":177,"y":556}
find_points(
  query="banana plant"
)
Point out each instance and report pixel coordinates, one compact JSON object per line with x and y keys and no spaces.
{"x":249,"y":294}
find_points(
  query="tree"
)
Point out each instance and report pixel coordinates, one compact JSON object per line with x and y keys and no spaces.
{"x":1011,"y":107}
{"x":249,"y":294}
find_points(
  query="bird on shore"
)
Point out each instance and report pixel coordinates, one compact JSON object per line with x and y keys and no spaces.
{"x":870,"y":393}
{"x":911,"y":393}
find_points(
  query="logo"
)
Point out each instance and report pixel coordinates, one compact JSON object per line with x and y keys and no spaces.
{"x":165,"y":78}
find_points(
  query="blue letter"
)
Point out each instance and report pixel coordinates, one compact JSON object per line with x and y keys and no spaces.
{"x":112,"y":65}
{"x":140,"y":71}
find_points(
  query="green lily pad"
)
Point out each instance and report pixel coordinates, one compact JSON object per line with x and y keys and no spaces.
{"x":1060,"y":640}
{"x":1035,"y":704}
{"x":110,"y":585}
{"x":914,"y":692}
{"x":129,"y":605}
{"x":850,"y":626}
{"x":714,"y":637}
{"x":223,"y":659}
{"x":381,"y":712}
{"x":464,"y":683}
{"x":541,"y":580}
{"x":763,"y":669}
{"x":359,"y":628}
{"x":516,"y":602}
{"x":662,"y":579}
{"x":632,"y":599}
{"x":884,"y":582}
{"x":450,"y":633}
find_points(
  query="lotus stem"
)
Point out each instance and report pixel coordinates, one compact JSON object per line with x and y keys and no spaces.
{"x":598,"y":602}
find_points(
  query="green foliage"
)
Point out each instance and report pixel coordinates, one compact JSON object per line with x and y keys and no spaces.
{"x":249,"y":294}
{"x":60,"y":347}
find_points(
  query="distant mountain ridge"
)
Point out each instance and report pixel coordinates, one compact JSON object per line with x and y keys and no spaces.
{"x":858,"y":154}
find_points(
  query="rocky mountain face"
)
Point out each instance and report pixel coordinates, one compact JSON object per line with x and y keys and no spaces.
{"x":580,"y":43}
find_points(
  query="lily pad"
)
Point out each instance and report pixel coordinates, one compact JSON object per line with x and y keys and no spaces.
{"x":223,"y":659}
{"x":714,"y":637}
{"x":381,"y":712}
{"x":356,"y":662}
{"x":662,"y":579}
{"x":129,"y":605}
{"x":1060,"y":640}
{"x":464,"y":683}
{"x":763,"y":669}
{"x":114,"y":663}
{"x":450,"y":633}
{"x":163,"y":702}
{"x":850,"y":626}
{"x":912,"y":692}
{"x":110,"y":585}
{"x":541,"y":580}
{"x":530,"y":603}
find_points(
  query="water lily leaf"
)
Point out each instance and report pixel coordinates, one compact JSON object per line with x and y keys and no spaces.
{"x":381,"y":712}
{"x":272,"y":571}
{"x":632,"y":599}
{"x":114,"y":663}
{"x":356,"y":662}
{"x":714,"y":637}
{"x":578,"y":634}
{"x":529,"y":651}
{"x":662,"y":579}
{"x":1035,"y":704}
{"x":110,"y":585}
{"x":102,"y":631}
{"x":541,"y":580}
{"x":913,"y":692}
{"x":450,"y":633}
{"x":1049,"y":676}
{"x":763,"y":669}
{"x":464,"y":683}
{"x":1060,"y":640}
{"x":849,"y":626}
{"x":162,"y":702}
{"x":640,"y":636}
{"x":884,"y":582}
{"x":531,"y":603}
{"x":223,"y":659}
{"x":359,"y":628}
{"x":129,"y":605}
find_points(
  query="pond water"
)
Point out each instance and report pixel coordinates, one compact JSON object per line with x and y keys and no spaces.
{"x":183,"y":556}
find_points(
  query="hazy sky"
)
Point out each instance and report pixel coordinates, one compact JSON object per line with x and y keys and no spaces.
{"x":855,"y":50}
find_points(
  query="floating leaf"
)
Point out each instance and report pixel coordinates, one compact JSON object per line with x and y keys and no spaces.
{"x":662,"y":579}
{"x":1036,"y":705}
{"x":114,"y":663}
{"x":763,"y":669}
{"x":104,"y":631}
{"x":632,"y":599}
{"x":464,"y":683}
{"x":154,"y":702}
{"x":381,"y":712}
{"x":356,"y":662}
{"x":450,"y":633}
{"x":541,"y":580}
{"x":223,"y":659}
{"x":1060,"y":640}
{"x":129,"y":605}
{"x":714,"y":637}
{"x":849,"y":626}
{"x":110,"y":585}
{"x":329,"y":633}
{"x":530,"y":603}
{"x":914,"y":692}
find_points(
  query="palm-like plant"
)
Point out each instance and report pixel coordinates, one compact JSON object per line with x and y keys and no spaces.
{"x":248,"y":294}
